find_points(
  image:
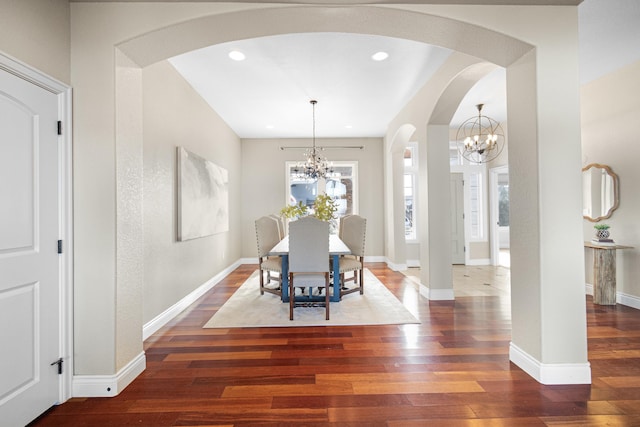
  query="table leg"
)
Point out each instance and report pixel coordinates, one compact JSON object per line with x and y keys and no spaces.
{"x":604,"y":276}
{"x":336,"y":279}
{"x":285,"y":278}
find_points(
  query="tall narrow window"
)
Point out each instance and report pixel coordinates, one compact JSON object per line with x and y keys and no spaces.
{"x":410,"y":202}
{"x":475,"y":193}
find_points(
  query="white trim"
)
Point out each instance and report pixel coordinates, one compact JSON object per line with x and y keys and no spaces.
{"x":65,"y":203}
{"x":628,"y":300}
{"x":413,"y":263}
{"x":588,"y":288}
{"x":166,"y":316}
{"x":479,"y":261}
{"x":621,"y":298}
{"x":374,"y":258}
{"x":550,"y":373}
{"x":394,"y":266}
{"x":109,"y":385}
{"x":439,"y":294}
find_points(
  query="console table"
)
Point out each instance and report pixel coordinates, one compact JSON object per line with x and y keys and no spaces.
{"x":604,"y":272}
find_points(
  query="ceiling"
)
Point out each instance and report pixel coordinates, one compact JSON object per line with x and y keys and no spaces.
{"x":267,"y":94}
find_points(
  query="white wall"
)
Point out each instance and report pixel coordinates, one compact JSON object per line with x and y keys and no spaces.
{"x":174,"y":115}
{"x":610,"y":113}
{"x":38,"y":34}
{"x":263,"y":183}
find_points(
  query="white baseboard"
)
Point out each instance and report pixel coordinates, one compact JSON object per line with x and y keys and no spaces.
{"x":628,"y":300}
{"x":166,"y":316}
{"x":108,"y":385}
{"x":413,"y":263}
{"x":479,"y":261}
{"x":621,"y":298}
{"x":550,"y":373}
{"x":374,"y":258}
{"x":439,"y":294}
{"x":394,"y":266}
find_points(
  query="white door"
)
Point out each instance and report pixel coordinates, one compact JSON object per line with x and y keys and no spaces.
{"x":29,"y":265}
{"x":457,"y":218}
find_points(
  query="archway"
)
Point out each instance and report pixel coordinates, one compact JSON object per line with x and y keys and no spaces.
{"x":531,"y":75}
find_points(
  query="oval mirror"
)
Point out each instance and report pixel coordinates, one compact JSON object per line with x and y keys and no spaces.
{"x":599,"y":192}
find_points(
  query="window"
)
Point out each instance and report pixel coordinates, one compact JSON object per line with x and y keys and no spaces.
{"x":410,"y":202}
{"x":475,"y":208}
{"x":341,"y":186}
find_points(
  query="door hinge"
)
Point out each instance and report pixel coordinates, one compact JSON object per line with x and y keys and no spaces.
{"x":59,"y":127}
{"x":59,"y":363}
{"x":464,"y":249}
{"x":59,"y":246}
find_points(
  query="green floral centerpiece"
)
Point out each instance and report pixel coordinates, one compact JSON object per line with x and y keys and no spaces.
{"x":324,"y":208}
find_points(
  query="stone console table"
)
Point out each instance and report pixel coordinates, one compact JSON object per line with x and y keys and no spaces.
{"x":604,"y":272}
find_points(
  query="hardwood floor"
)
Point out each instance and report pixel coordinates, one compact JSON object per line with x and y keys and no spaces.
{"x":451,"y":370}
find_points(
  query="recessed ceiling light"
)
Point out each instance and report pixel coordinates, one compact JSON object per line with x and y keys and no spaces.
{"x":348,"y":126}
{"x":270,"y":126}
{"x":380,"y":56}
{"x":236,"y":55}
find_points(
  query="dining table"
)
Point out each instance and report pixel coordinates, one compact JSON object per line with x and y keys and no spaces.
{"x":336,"y":248}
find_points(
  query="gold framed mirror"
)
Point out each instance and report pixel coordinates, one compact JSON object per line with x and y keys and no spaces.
{"x":600,"y":192}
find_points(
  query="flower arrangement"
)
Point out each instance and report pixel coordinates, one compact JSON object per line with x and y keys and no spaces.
{"x":324,"y":208}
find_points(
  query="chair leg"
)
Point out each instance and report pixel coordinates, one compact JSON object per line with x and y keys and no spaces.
{"x":261,"y":281}
{"x":292,"y":296}
{"x":362,"y":280}
{"x":326,"y":296}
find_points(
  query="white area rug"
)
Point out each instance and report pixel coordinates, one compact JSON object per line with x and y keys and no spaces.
{"x":247,"y":308}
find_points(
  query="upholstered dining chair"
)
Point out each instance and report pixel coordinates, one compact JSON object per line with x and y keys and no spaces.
{"x":352,"y":233}
{"x":268,"y":235}
{"x":281,"y":230}
{"x":308,"y":258}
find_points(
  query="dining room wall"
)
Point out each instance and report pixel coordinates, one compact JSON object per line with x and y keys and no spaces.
{"x":175,"y":115}
{"x":264,"y":185}
{"x":610,"y":112}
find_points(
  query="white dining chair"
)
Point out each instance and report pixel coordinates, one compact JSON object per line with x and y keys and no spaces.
{"x":267,"y":236}
{"x":308,"y":258}
{"x":281,"y":229}
{"x":353,"y":233}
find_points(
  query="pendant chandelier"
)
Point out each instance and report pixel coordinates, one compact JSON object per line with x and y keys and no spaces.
{"x":316,"y":165}
{"x":480,"y":139}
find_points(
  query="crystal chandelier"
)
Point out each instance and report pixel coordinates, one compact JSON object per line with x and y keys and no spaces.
{"x":480,"y":139}
{"x":316,"y":165}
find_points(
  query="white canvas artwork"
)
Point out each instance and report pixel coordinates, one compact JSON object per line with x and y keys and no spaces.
{"x":203,"y":197}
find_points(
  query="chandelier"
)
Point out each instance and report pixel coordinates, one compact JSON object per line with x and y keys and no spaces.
{"x":480,"y":139}
{"x":316,"y":165}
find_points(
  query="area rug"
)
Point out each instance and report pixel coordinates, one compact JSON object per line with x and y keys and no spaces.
{"x":247,"y":308}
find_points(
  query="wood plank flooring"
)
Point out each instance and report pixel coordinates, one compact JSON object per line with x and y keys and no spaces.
{"x":451,"y":370}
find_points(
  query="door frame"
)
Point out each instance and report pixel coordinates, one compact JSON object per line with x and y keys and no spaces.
{"x":494,"y":236}
{"x":65,"y":203}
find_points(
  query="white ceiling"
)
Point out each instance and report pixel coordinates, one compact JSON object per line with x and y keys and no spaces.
{"x":267,"y":95}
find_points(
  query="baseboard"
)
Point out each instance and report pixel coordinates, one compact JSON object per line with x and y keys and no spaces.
{"x":374,"y":258}
{"x":479,"y":261}
{"x":550,"y":373}
{"x":628,"y":300}
{"x":166,"y":316}
{"x":108,"y":385}
{"x":413,"y":263}
{"x":394,"y":266}
{"x":621,"y":298}
{"x":439,"y":294}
